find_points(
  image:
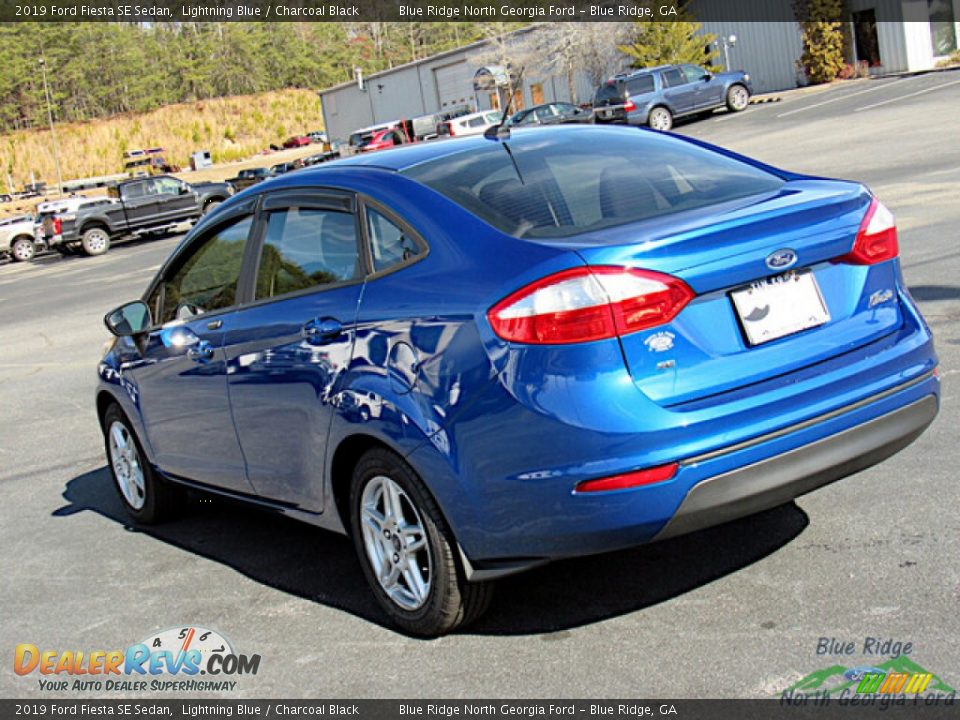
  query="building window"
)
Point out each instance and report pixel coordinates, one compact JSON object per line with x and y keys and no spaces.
{"x":943,"y":32}
{"x":865,"y":37}
{"x":494,"y":101}
{"x":536,"y":94}
{"x":517,"y":103}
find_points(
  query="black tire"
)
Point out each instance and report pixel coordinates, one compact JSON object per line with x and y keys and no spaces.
{"x":95,"y":241}
{"x":211,"y":206}
{"x":660,"y":118}
{"x":738,"y":97}
{"x":451,"y":601}
{"x":23,"y":249}
{"x":161,"y":500}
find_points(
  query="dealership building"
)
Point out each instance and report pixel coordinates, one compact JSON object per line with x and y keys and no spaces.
{"x":889,"y":35}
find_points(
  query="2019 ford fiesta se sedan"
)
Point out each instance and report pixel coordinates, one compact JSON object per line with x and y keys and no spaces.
{"x":480,"y":355}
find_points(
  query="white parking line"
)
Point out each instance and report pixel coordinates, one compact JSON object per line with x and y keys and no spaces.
{"x":834,"y":99}
{"x":909,"y":95}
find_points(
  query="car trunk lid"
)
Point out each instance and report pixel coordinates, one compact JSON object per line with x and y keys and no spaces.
{"x":793,"y":236}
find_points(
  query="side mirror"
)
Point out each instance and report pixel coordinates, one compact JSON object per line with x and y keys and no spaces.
{"x":185,"y":189}
{"x":707,"y":77}
{"x":128,"y":320}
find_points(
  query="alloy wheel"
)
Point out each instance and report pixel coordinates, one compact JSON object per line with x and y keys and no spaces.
{"x":96,"y":241}
{"x":23,"y":250}
{"x":660,"y":119}
{"x":395,"y":542}
{"x":127,"y":468}
{"x":739,"y":98}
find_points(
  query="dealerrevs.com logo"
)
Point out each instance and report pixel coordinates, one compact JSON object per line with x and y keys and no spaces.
{"x":171,"y":660}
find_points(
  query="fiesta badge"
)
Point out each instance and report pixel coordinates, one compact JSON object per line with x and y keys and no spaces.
{"x":781,"y":259}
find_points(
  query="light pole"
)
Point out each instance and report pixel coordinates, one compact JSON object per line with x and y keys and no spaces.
{"x":727,"y":42}
{"x":53,"y":132}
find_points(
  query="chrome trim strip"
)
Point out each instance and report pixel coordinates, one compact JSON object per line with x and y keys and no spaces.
{"x":743,"y":445}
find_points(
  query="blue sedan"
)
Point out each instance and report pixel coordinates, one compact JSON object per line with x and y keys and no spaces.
{"x":481,"y":355}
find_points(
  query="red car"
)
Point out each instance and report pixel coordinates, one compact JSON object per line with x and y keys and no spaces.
{"x":382,"y":139}
{"x":296,"y":141}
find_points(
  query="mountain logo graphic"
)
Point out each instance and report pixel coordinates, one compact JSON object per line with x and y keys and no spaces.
{"x":899,"y":675}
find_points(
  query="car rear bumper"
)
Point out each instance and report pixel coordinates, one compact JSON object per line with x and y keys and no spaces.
{"x":781,"y":478}
{"x":731,"y":482}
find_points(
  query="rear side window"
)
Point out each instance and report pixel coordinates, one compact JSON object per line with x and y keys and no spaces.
{"x":640,"y":85}
{"x":207,"y":279}
{"x":389,"y":244}
{"x":573,"y":185}
{"x":306,"y":248}
{"x":134,"y":191}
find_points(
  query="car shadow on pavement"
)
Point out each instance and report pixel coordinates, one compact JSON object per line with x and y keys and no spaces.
{"x":321,"y":566}
{"x":932,"y":293}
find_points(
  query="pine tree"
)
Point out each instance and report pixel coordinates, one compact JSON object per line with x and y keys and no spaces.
{"x":674,"y":42}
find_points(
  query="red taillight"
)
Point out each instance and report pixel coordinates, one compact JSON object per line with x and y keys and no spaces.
{"x":658,"y":474}
{"x":630,"y":106}
{"x":57,"y":226}
{"x":876,"y":239}
{"x":451,"y":129}
{"x":588,"y":303}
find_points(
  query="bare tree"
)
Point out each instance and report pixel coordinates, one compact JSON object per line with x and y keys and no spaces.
{"x":568,"y":49}
{"x":507,"y":48}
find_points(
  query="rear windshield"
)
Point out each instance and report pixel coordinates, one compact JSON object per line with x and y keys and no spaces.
{"x":567,"y":183}
{"x":609,"y":91}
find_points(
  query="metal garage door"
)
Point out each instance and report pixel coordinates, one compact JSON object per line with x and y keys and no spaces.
{"x":454,"y":84}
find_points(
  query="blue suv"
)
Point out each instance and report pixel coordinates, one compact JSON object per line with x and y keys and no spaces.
{"x":481,"y":355}
{"x":655,"y":96}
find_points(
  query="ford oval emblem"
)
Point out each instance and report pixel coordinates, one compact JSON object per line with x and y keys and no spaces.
{"x":781,"y":259}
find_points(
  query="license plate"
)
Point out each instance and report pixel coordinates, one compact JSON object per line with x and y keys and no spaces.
{"x":780,"y":306}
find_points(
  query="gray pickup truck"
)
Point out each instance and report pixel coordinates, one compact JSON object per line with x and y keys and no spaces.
{"x":143,"y":206}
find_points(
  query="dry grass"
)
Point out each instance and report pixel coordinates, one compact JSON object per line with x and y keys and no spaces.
{"x":231,"y":129}
{"x":950,"y":61}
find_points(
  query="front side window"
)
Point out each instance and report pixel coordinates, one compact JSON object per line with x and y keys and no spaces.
{"x":207,"y":279}
{"x":167,"y":186}
{"x":673,"y":77}
{"x":306,"y":248}
{"x":693,"y":73}
{"x":388,"y":243}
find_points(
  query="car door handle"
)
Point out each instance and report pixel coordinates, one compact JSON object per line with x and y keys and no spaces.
{"x":201,"y":352}
{"x":323,"y":330}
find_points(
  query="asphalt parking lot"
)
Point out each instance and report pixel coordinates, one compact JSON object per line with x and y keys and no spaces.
{"x":729,"y":612}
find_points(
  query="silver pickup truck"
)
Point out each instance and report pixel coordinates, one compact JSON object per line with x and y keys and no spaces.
{"x":17,"y":237}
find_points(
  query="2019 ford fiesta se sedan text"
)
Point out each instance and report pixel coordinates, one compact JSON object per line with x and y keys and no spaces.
{"x":480,"y":355}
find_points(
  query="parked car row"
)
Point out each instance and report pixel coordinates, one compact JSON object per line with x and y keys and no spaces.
{"x":138,"y":207}
{"x":650,"y":96}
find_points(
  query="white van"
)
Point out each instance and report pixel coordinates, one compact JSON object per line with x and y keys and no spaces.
{"x":472,"y":124}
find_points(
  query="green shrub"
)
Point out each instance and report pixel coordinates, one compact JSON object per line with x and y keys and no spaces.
{"x":822,"y":28}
